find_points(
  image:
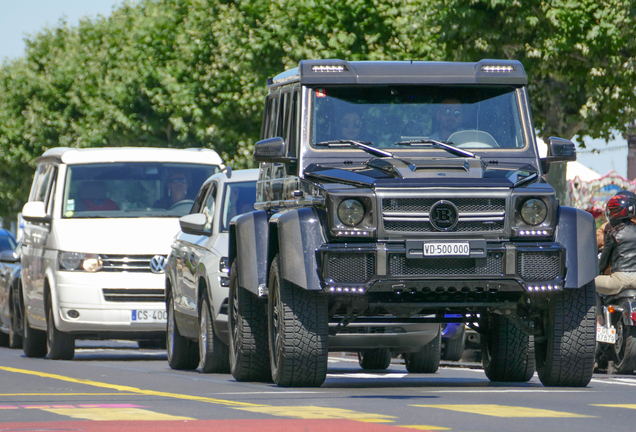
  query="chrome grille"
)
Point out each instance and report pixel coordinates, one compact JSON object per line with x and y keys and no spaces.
{"x":399,"y":265}
{"x":350,"y":267}
{"x":145,"y":295}
{"x":538,"y":266}
{"x":126,"y":263}
{"x":474,"y":214}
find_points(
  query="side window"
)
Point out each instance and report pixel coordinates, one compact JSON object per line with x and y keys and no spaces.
{"x":198,"y":202}
{"x":273,"y":115}
{"x":283,"y":116}
{"x":50,"y":194}
{"x":209,"y":207}
{"x":292,"y":139}
{"x":41,"y":183}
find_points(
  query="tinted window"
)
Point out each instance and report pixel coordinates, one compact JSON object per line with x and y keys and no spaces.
{"x":132,"y":189}
{"x":6,"y":242}
{"x":238,"y":198}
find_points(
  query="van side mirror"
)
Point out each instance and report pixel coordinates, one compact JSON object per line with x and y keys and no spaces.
{"x":35,"y":211}
{"x":271,"y":150}
{"x":559,"y":150}
{"x":195,"y":224}
{"x":9,"y":256}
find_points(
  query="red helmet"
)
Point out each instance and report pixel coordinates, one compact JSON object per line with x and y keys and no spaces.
{"x":620,"y":207}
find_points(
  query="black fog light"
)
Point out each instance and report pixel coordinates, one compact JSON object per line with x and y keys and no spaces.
{"x":72,"y":313}
{"x":224,"y":281}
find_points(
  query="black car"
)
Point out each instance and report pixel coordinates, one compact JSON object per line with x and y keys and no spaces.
{"x":10,"y":268}
{"x":393,"y":193}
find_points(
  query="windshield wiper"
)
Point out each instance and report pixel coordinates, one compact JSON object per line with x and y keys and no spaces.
{"x":446,"y":146}
{"x":362,"y":145}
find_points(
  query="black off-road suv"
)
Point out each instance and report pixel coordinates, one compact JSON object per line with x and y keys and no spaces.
{"x":399,"y":193}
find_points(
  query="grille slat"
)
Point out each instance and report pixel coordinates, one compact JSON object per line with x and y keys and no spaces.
{"x":350,"y":267}
{"x":121,"y":295}
{"x":399,"y":265}
{"x":539,"y":266}
{"x":126,"y":263}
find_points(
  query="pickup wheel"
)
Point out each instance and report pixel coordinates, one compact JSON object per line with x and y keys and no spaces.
{"x":453,"y":348}
{"x":565,"y":358}
{"x":378,"y":359}
{"x":507,"y":352}
{"x":61,"y":345}
{"x":213,"y":354}
{"x":426,"y":360}
{"x":247,"y":319}
{"x":624,"y":352}
{"x":34,"y":342}
{"x":183,"y":354}
{"x":298,"y":333}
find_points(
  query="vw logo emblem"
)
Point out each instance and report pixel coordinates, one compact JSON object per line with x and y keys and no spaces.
{"x":443,"y":215}
{"x":157,"y":264}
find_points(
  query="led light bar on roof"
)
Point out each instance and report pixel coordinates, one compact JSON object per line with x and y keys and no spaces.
{"x":328,"y":68}
{"x":498,"y":68}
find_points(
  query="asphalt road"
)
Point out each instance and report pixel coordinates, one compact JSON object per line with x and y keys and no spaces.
{"x":113,"y":386}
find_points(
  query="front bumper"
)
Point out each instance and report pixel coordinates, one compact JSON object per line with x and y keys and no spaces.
{"x":398,"y":337}
{"x":398,"y":267}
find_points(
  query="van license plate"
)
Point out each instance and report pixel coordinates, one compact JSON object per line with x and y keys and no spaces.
{"x":606,"y":335}
{"x":149,"y":316}
{"x":446,"y":249}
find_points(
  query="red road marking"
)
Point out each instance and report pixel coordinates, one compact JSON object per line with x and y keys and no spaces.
{"x":270,"y":425}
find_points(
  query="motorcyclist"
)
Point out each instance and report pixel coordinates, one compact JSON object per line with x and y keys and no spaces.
{"x":602,"y":230}
{"x":619,"y":247}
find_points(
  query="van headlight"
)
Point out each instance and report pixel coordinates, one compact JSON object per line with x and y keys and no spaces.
{"x":72,"y":261}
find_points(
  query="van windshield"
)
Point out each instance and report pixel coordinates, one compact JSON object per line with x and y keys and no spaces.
{"x":132,"y":189}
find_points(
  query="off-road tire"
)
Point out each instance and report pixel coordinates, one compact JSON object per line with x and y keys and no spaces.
{"x":426,"y":360}
{"x":183,"y":354}
{"x":34,"y":341}
{"x":565,"y":358}
{"x":374,"y":359}
{"x":15,"y":330}
{"x":624,"y":350}
{"x":61,"y":346}
{"x":453,"y":348}
{"x":298,"y":333}
{"x":507,"y":352}
{"x":214,"y":355}
{"x":247,"y":320}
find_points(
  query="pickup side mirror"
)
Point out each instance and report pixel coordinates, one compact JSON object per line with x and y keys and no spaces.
{"x":196,"y":224}
{"x":559,"y":150}
{"x":35,"y":211}
{"x":271,"y":150}
{"x":9,"y":256}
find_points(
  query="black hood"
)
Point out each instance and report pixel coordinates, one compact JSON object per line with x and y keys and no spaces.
{"x":436,"y":172}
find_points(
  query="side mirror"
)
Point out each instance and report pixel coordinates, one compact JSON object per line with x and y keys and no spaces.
{"x":9,"y":256}
{"x":559,"y":150}
{"x":271,"y":150}
{"x":35,"y":211}
{"x":195,"y":224}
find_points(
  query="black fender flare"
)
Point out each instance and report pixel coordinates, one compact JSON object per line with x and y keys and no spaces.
{"x":300,"y":234}
{"x":576,"y":232}
{"x":249,"y":244}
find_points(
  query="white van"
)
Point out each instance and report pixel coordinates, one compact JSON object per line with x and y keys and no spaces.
{"x":98,"y":228}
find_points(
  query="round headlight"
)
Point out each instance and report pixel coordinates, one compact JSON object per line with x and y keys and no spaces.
{"x":71,"y":260}
{"x":351,"y":212}
{"x":534,"y":211}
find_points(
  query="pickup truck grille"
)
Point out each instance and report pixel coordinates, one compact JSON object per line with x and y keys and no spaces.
{"x":412,"y":215}
{"x":399,"y":265}
{"x":350,"y":267}
{"x":539,"y":266}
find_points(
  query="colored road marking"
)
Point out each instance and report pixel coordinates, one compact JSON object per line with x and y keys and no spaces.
{"x":629,"y":406}
{"x":69,"y":394}
{"x":504,"y":411}
{"x":314,"y":412}
{"x":121,"y":414}
{"x":425,"y":428}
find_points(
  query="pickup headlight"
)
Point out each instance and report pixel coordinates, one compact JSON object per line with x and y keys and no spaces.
{"x":351,"y":212}
{"x":533,"y":211}
{"x":72,"y":261}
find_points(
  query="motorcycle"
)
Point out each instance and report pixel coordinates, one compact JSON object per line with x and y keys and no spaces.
{"x":617,"y":336}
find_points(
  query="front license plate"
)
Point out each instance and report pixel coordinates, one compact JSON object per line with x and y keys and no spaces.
{"x":606,"y":335}
{"x":149,"y":316}
{"x":446,"y":249}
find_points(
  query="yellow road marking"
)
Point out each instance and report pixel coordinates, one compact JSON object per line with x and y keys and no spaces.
{"x":130,"y":389}
{"x":69,"y":394}
{"x":423,"y":427}
{"x":504,"y":411}
{"x":314,"y":412}
{"x":630,"y":406}
{"x":100,"y":414}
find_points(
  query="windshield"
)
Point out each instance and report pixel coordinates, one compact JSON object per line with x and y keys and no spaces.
{"x":132,"y":189}
{"x":401,"y":117}
{"x":238,"y":198}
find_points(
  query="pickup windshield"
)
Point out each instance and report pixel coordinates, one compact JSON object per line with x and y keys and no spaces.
{"x":467,"y":117}
{"x":132,"y":189}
